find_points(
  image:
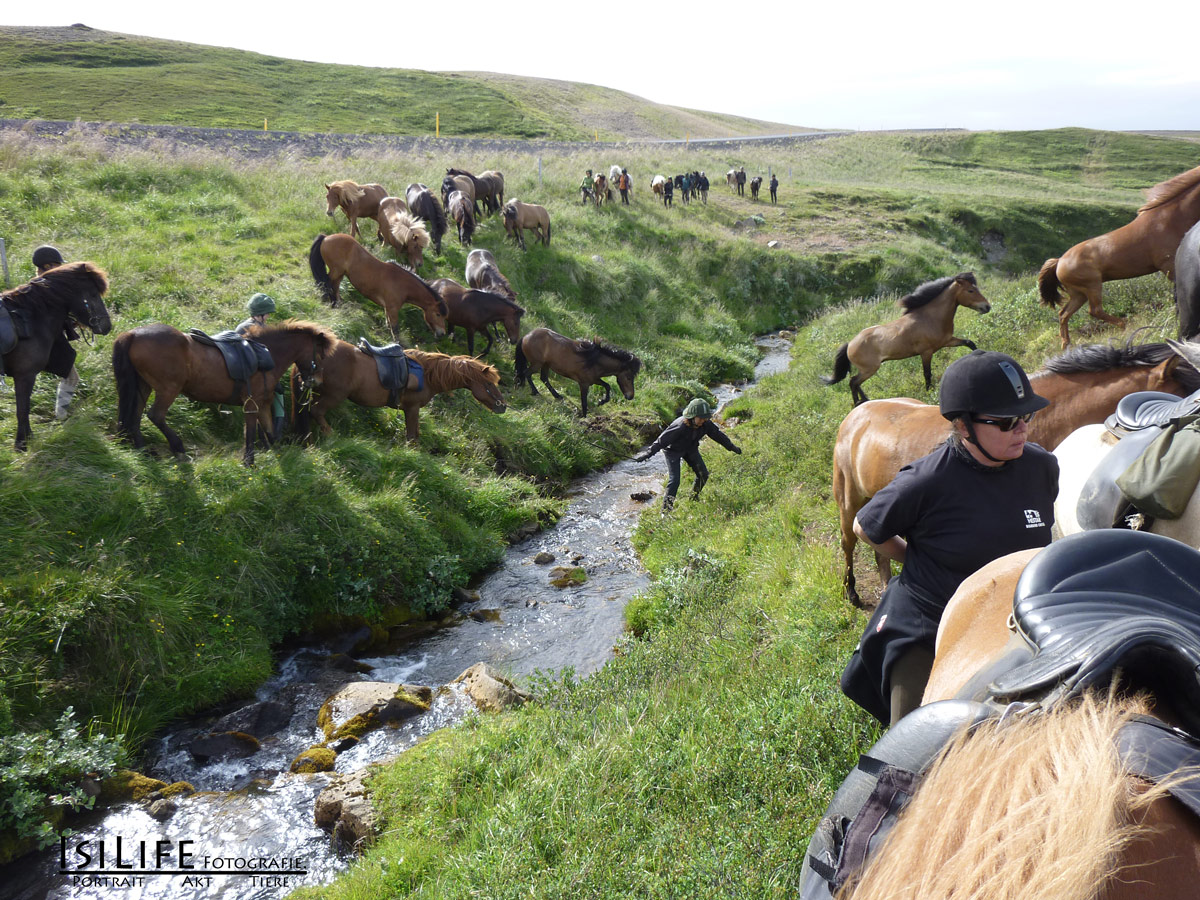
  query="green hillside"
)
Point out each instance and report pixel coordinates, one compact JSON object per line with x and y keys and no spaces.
{"x":77,"y":72}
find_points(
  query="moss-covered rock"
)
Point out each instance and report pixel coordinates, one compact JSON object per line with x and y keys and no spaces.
{"x":567,"y":576}
{"x":125,"y":784}
{"x":364,"y":706}
{"x":315,"y":759}
{"x":177,"y":789}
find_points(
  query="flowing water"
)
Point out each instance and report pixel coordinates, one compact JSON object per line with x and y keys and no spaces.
{"x":248,"y":830}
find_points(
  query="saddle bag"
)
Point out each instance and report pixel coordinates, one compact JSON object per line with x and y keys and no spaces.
{"x":1160,"y":482}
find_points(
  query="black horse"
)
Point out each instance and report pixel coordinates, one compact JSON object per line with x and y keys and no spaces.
{"x":34,"y":315}
{"x":423,"y":204}
{"x":1187,"y":283}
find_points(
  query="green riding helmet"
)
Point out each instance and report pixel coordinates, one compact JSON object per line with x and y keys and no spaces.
{"x":698,"y":409}
{"x":260,"y":305}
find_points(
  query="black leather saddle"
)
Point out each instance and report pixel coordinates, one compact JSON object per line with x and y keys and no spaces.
{"x":243,"y":356}
{"x":1147,"y":409}
{"x":393,"y":366}
{"x":8,"y":334}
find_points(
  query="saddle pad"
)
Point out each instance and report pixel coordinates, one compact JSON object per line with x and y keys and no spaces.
{"x":243,"y":356}
{"x":8,"y":330}
{"x":1144,"y":409}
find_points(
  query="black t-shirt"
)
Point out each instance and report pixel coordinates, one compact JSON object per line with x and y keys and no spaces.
{"x":680,"y":437}
{"x":958,"y":515}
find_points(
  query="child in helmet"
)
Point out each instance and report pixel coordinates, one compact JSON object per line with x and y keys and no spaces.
{"x":681,"y":441}
{"x":260,"y":306}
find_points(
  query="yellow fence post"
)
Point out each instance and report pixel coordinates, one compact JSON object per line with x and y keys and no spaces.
{"x":437,"y":124}
{"x":264,"y":124}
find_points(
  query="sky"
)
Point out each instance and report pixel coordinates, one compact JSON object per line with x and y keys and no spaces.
{"x":1016,"y":64}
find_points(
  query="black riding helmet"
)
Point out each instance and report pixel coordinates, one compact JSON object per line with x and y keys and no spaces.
{"x":46,"y":255}
{"x":987,"y":382}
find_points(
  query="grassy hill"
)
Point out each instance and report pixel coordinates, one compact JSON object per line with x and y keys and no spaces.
{"x":139,"y":589}
{"x":78,"y":72}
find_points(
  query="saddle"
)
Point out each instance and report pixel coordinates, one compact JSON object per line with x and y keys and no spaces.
{"x":394,"y":367}
{"x":8,"y":334}
{"x":243,"y":357}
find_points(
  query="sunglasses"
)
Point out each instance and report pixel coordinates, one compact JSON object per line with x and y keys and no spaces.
{"x":1007,"y":423}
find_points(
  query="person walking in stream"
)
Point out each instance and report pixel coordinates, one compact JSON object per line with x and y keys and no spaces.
{"x":680,"y":441}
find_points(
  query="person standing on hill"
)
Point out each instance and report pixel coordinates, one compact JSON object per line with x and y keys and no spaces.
{"x":681,"y":441}
{"x":774,"y":185}
{"x":261,"y":306}
{"x":62,"y":354}
{"x":623,"y":184}
{"x":585,"y":187}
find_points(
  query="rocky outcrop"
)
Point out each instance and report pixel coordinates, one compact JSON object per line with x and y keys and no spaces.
{"x":259,"y":720}
{"x":223,"y":745}
{"x":363,"y":706}
{"x":567,"y":576}
{"x":344,"y":809}
{"x":490,"y":690}
{"x":125,"y":784}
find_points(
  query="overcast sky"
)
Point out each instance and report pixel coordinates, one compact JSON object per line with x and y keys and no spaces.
{"x":1004,"y":65}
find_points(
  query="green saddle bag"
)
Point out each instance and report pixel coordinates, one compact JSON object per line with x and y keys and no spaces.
{"x":1162,"y":480}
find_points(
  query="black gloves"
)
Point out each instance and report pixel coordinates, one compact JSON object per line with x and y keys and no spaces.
{"x":642,"y":457}
{"x":737,"y":450}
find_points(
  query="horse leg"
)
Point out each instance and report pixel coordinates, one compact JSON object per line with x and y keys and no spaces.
{"x":487,"y":332}
{"x":251,"y":421}
{"x":24,"y":390}
{"x":158,"y":415}
{"x":583,"y":392}
{"x":607,"y":392}
{"x":546,"y":381}
{"x":927,"y":368}
{"x":857,"y":394}
{"x":412,"y":424}
{"x":393,"y":320}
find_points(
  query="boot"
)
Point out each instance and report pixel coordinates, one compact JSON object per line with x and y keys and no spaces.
{"x":66,"y":392}
{"x":277,"y":431}
{"x":668,"y":504}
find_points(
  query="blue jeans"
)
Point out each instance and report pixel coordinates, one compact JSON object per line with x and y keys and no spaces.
{"x":693,"y":460}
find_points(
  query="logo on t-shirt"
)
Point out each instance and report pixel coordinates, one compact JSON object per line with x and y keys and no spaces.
{"x":1033,"y":519}
{"x":882,"y":619}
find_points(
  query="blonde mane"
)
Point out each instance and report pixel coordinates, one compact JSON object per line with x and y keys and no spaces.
{"x":405,"y":227}
{"x":349,"y":191}
{"x":1162,"y":194}
{"x":1037,"y":801}
{"x":453,"y":372}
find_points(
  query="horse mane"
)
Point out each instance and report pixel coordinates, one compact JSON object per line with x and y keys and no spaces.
{"x":595,"y":348}
{"x":1103,"y":357}
{"x":453,"y":372}
{"x":1043,"y":799}
{"x":516,"y":306}
{"x":59,"y":283}
{"x":411,"y":225}
{"x":324,"y":336}
{"x":349,"y":190}
{"x":460,"y":172}
{"x":1164,"y":193}
{"x":931,"y":290}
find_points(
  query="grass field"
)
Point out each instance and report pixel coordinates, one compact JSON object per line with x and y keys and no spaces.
{"x":698,"y":760}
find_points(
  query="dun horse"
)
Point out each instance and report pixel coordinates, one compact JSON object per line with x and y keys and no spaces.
{"x":1083,"y":385}
{"x":403,"y":232}
{"x":476,"y":310}
{"x":459,"y":206}
{"x":384,"y":283}
{"x":518,"y":216}
{"x":926,"y":327}
{"x":167,"y":362}
{"x":452,"y":183}
{"x":1145,"y":245}
{"x":423,"y":204}
{"x":488,"y":187}
{"x":355,"y":200}
{"x":347,"y":373}
{"x":586,"y":362}
{"x":32,"y":317}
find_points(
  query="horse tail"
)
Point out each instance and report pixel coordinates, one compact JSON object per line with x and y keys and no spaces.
{"x":521,"y":365}
{"x":1048,"y":283}
{"x":129,"y":386}
{"x":841,"y":365}
{"x":547,"y":232}
{"x":320,"y":274}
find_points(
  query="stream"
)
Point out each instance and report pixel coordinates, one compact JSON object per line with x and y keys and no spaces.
{"x":248,"y":831}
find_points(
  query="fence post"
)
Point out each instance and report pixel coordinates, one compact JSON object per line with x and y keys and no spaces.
{"x":437,"y":124}
{"x":539,"y":172}
{"x":4,"y":261}
{"x":264,"y":124}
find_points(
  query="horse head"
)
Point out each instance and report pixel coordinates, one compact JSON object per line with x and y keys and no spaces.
{"x":333,"y":198}
{"x":967,"y":293}
{"x":82,"y":285}
{"x":626,"y":375}
{"x":486,"y":389}
{"x":512,"y":324}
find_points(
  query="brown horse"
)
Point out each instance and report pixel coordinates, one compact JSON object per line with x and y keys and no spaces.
{"x":384,"y":283}
{"x":459,"y":208}
{"x":452,"y":183}
{"x":587,"y":362}
{"x":1083,"y":386}
{"x":355,"y":200}
{"x":168,"y":362}
{"x":347,"y":373}
{"x":39,"y":310}
{"x":518,"y":216}
{"x":926,"y":327}
{"x":483,"y":273}
{"x":600,"y":191}
{"x":1145,"y":245}
{"x":476,"y":310}
{"x":402,"y":231}
{"x":497,"y":183}
{"x":423,"y":204}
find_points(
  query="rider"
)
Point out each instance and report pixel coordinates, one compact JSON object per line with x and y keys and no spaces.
{"x":681,"y":441}
{"x":982,"y":494}
{"x":62,"y":354}
{"x":623,"y":185}
{"x":260,"y":306}
{"x":585,"y":187}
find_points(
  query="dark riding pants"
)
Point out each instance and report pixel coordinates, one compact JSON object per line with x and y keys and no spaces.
{"x":692,"y":457}
{"x":625,"y":196}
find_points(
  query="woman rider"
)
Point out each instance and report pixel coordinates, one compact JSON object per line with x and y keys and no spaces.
{"x":260,"y":306}
{"x":981,"y":495}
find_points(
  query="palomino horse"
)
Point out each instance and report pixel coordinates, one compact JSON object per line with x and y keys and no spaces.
{"x":355,"y":200}
{"x":402,"y":231}
{"x":458,"y":205}
{"x":483,"y":273}
{"x":384,"y":283}
{"x":518,"y":216}
{"x":926,"y":326}
{"x":476,"y":310}
{"x":1145,"y":245}
{"x":168,"y":362}
{"x":1187,"y":283}
{"x":39,"y":310}
{"x":347,"y":373}
{"x":587,"y":362}
{"x":423,"y":204}
{"x":1083,"y":386}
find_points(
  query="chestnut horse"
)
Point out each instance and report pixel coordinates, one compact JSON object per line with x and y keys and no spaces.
{"x":347,"y":373}
{"x":168,"y":362}
{"x":459,"y":207}
{"x":600,"y":190}
{"x":39,"y":310}
{"x":1145,"y":245}
{"x":518,"y":216}
{"x":402,"y":231}
{"x":1083,"y":385}
{"x":586,"y":362}
{"x":423,"y":204}
{"x":355,"y":200}
{"x":476,"y":310}
{"x":926,"y":327}
{"x":384,"y":283}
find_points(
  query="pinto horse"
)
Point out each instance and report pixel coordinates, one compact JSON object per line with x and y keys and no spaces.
{"x":423,"y":204}
{"x":355,"y":200}
{"x":926,"y":326}
{"x":452,"y":183}
{"x":385,"y":283}
{"x":476,"y":310}
{"x":402,"y":231}
{"x":1083,"y":386}
{"x":39,"y":310}
{"x":347,"y":373}
{"x":483,"y":273}
{"x":586,"y":362}
{"x":163,"y":360}
{"x":1145,"y":245}
{"x":518,"y":216}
